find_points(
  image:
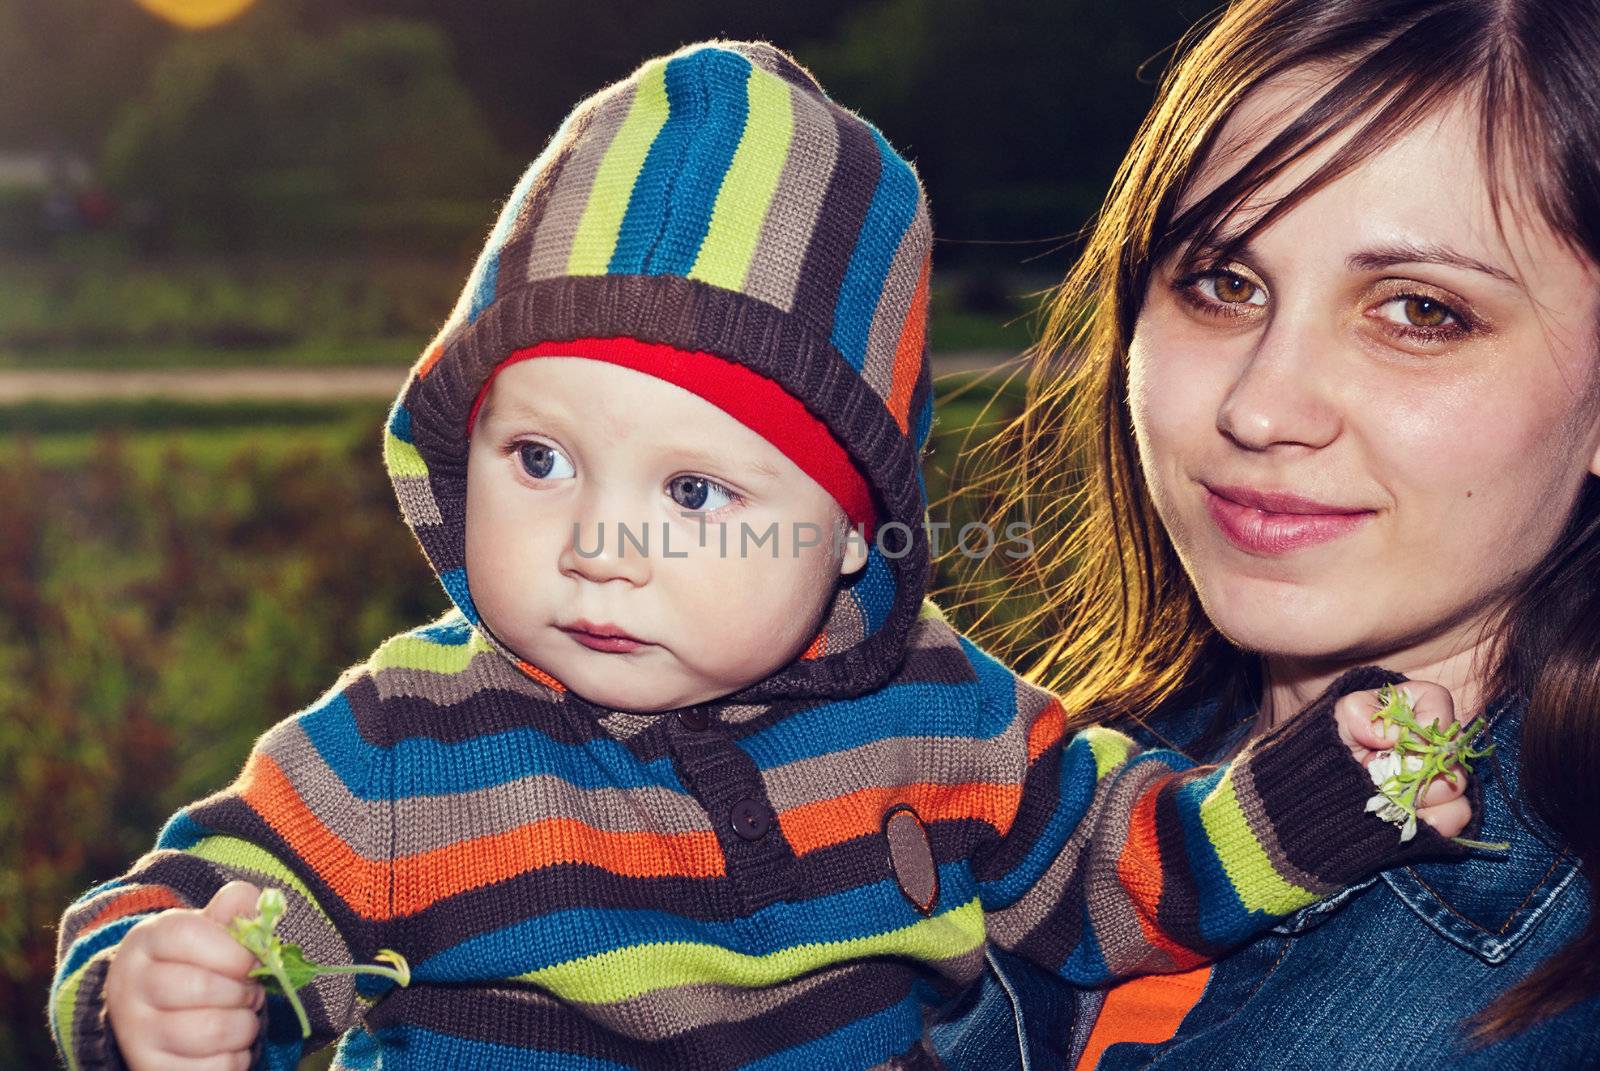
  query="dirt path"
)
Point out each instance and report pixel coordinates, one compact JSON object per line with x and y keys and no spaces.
{"x":290,"y":384}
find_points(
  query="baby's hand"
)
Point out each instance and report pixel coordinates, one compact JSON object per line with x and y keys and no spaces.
{"x":178,"y":989}
{"x":1442,"y":806}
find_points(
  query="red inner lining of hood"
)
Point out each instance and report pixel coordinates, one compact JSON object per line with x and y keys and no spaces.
{"x":749,"y":397}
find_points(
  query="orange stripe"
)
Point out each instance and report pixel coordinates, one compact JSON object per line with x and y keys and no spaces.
{"x":424,"y":878}
{"x":1145,"y":1010}
{"x":427,"y":877}
{"x":1046,"y":731}
{"x":540,"y":675}
{"x":908,"y":353}
{"x":430,"y":359}
{"x":1139,"y":871}
{"x":822,"y":823}
{"x":353,"y":878}
{"x":815,"y":648}
{"x":133,"y":902}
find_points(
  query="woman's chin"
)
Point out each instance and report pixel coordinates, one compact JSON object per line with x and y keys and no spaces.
{"x":1307,"y":630}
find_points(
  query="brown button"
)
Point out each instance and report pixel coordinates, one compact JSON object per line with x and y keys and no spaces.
{"x":751,"y":819}
{"x":694,"y":719}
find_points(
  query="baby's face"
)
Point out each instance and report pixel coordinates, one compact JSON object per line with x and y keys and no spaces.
{"x":601,"y":498}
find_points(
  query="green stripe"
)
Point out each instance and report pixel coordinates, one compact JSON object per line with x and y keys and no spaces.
{"x":236,"y":854}
{"x":1110,"y":749}
{"x":624,"y":973}
{"x":401,"y":458}
{"x":66,"y":1008}
{"x":413,"y":652}
{"x":749,"y":185}
{"x":1258,"y":883}
{"x":619,"y":169}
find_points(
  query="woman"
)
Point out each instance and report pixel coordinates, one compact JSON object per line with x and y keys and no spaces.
{"x":1337,"y":382}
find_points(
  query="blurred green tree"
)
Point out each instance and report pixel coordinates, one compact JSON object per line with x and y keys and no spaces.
{"x":266,"y":133}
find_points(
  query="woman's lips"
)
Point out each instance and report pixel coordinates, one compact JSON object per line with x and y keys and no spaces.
{"x":1259,"y":532}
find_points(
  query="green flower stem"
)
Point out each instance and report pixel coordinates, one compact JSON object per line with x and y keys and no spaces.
{"x":284,"y":967}
{"x":1422,"y":753}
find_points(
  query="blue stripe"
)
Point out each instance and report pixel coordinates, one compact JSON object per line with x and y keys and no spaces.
{"x":400,"y":422}
{"x":181,"y":833}
{"x":85,"y":947}
{"x":715,"y":88}
{"x":413,"y":1048}
{"x":1076,"y":786}
{"x":1223,"y":918}
{"x":652,"y":190}
{"x":452,"y":630}
{"x":96,"y":890}
{"x":922,"y":708}
{"x":359,"y":1051}
{"x":980,"y":709}
{"x":894,"y":206}
{"x":455,"y":585}
{"x":482,"y":282}
{"x":567,"y":935}
{"x":923,"y":424}
{"x":284,"y":1046}
{"x":1086,"y":964}
{"x":875,"y":590}
{"x":426,"y":767}
{"x":867,"y":1042}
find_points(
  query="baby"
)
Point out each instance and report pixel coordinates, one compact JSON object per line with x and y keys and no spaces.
{"x":693,"y":775}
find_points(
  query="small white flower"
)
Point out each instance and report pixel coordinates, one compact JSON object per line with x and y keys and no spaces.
{"x":1408,"y":830}
{"x":1384,"y":765}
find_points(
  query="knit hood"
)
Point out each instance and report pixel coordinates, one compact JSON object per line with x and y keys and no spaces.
{"x":718,"y":202}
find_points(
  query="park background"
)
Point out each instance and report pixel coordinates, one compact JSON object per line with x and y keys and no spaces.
{"x":226,"y":229}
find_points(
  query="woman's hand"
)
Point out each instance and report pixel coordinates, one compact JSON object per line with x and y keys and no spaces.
{"x":178,"y":990}
{"x":1443,"y":805}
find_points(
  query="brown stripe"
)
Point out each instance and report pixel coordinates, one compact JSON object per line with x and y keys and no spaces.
{"x":587,"y":145}
{"x":416,"y":500}
{"x":844,"y":206}
{"x":780,"y":253}
{"x":899,"y":289}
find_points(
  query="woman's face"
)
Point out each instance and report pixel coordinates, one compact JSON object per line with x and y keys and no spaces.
{"x":1383,"y":351}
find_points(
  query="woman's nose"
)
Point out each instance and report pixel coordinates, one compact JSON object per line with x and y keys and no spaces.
{"x":1281,"y":390}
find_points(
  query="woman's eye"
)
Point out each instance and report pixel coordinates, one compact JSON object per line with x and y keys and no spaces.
{"x":1413,"y":310}
{"x":544,"y":462}
{"x":1230,"y":289}
{"x":699,"y":493}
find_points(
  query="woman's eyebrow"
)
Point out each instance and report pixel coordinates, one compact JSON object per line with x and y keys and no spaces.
{"x":1407,"y":253}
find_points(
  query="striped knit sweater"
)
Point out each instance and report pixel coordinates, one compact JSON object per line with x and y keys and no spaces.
{"x":572,"y":894}
{"x":789,"y":875}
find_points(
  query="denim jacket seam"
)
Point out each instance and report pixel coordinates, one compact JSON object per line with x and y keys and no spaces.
{"x":1494,"y":947}
{"x":1555,"y":864}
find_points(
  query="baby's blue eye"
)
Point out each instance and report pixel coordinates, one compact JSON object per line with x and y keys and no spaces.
{"x":699,"y":493}
{"x":544,"y":462}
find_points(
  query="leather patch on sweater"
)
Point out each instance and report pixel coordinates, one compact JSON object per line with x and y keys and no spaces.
{"x":911,"y":857}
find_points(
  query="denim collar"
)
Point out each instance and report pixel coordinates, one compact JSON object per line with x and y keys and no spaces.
{"x":1488,"y":903}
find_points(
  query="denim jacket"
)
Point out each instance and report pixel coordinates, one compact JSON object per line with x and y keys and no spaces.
{"x":1378,"y":976}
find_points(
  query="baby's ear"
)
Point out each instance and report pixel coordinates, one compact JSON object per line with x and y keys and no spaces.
{"x":855,"y":550}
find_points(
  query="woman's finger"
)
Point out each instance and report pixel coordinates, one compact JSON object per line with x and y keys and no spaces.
{"x":1448,"y":819}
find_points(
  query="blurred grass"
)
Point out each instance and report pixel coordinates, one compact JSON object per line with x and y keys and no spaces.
{"x":175,"y":578}
{"x":107,"y":308}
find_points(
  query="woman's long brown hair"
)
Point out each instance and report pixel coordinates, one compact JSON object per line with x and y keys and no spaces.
{"x":1111,"y":622}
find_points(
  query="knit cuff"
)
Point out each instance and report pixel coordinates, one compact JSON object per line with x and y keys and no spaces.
{"x":89,"y":1037}
{"x":1310,"y":794}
